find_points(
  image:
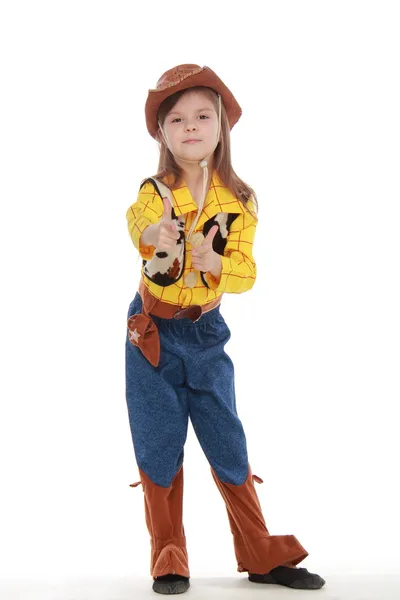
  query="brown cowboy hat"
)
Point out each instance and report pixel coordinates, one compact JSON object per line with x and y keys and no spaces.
{"x":183,"y":77}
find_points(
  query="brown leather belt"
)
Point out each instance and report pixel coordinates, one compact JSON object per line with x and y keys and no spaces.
{"x":143,"y":332}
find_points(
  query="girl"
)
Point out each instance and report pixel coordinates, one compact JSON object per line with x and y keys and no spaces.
{"x":193,"y":225}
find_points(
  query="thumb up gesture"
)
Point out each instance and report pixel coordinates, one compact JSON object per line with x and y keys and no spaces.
{"x":204,"y":258}
{"x":167,"y":232}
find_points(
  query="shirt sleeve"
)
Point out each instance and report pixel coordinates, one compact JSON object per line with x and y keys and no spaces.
{"x":147,"y":210}
{"x":239,"y":269}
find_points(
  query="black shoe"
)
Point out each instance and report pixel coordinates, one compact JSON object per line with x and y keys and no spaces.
{"x":171,"y":584}
{"x":298,"y":578}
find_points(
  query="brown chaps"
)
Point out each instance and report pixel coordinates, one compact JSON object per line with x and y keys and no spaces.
{"x":256,"y":550}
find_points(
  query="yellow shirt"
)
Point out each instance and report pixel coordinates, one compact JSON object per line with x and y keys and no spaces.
{"x":233,"y":241}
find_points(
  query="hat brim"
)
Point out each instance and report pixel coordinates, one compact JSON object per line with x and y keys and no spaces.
{"x":205,"y":77}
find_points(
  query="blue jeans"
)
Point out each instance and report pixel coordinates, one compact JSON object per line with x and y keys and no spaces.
{"x":194,"y":378}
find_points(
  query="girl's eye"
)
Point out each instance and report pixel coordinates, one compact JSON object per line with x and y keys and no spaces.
{"x":178,"y":118}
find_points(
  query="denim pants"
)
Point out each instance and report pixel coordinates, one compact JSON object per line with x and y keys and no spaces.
{"x":195,"y":378}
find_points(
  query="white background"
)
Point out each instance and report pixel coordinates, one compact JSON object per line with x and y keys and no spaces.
{"x":315,"y":342}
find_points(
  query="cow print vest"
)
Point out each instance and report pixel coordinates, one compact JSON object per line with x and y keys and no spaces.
{"x":166,"y":268}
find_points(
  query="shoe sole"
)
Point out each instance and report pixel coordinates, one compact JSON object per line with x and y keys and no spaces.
{"x":298,"y":585}
{"x":171,"y":587}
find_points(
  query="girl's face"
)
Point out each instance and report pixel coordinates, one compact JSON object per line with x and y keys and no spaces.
{"x":192,"y":117}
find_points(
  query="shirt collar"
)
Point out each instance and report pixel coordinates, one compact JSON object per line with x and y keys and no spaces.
{"x":219,"y":198}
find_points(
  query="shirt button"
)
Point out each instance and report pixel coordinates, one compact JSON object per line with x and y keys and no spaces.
{"x":191,"y":279}
{"x":197,"y":239}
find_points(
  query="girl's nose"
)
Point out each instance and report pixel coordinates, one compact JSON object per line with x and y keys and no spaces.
{"x":190,"y":127}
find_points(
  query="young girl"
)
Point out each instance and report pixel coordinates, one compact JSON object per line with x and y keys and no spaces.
{"x":193,"y":225}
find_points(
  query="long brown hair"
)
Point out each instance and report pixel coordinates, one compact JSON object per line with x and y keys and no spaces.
{"x":222,"y":154}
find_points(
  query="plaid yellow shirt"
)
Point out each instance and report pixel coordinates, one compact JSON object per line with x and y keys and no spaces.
{"x":238,"y":266}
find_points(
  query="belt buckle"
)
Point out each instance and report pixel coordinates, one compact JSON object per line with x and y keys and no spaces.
{"x":193,"y":312}
{"x":178,"y":314}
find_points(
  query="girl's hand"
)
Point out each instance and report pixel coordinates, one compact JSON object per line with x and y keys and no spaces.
{"x":204,"y":258}
{"x":167,"y":231}
{"x":164,"y":234}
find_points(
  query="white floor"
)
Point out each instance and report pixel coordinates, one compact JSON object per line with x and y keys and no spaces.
{"x":346,"y":587}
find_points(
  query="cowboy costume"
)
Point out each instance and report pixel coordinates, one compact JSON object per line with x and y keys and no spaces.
{"x":176,"y":365}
